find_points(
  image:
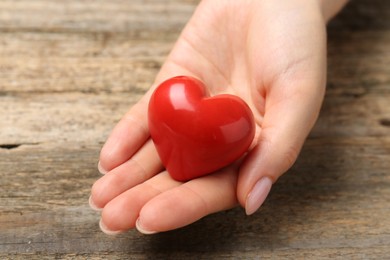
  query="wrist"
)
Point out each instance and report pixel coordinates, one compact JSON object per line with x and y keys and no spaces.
{"x":330,"y":8}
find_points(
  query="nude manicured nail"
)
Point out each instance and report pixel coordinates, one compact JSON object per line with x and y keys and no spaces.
{"x":258,"y":195}
{"x":142,"y":230}
{"x":100,"y":169}
{"x":105,"y":230}
{"x":92,"y":205}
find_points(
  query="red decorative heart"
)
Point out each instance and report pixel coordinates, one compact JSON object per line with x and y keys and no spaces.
{"x":196,"y":134}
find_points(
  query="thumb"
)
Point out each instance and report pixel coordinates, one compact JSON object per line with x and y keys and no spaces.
{"x":289,"y":116}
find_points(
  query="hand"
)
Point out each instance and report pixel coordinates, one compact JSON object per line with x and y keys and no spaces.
{"x":270,"y":53}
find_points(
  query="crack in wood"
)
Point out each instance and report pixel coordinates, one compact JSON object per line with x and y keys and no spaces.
{"x":14,"y":146}
{"x":9,"y":146}
{"x":385,"y":122}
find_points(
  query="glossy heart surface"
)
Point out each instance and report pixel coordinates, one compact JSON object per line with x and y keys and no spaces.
{"x":196,"y":134}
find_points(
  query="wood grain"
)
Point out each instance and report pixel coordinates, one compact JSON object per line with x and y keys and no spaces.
{"x":70,"y":69}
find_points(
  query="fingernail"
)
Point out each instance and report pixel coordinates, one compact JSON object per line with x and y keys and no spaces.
{"x":100,"y":168}
{"x":258,"y":195}
{"x":92,"y":205}
{"x":141,"y":229}
{"x":105,"y":230}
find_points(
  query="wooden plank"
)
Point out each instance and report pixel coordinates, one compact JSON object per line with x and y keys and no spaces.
{"x":46,"y":207}
{"x":112,"y":62}
{"x":85,"y":118}
{"x":61,"y":117}
{"x":142,"y":18}
{"x":349,"y":116}
{"x":358,"y":68}
{"x":83,"y":63}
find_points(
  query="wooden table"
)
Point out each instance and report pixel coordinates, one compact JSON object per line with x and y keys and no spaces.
{"x":70,"y":69}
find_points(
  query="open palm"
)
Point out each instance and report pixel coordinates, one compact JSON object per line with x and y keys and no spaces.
{"x":272,"y":55}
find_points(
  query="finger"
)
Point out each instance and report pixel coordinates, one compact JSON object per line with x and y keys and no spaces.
{"x":141,"y":167}
{"x":121,"y":213}
{"x":127,"y":137}
{"x":189,"y":202}
{"x":286,"y":124}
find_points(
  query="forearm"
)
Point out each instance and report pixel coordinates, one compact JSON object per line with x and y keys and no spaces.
{"x":331,"y":7}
